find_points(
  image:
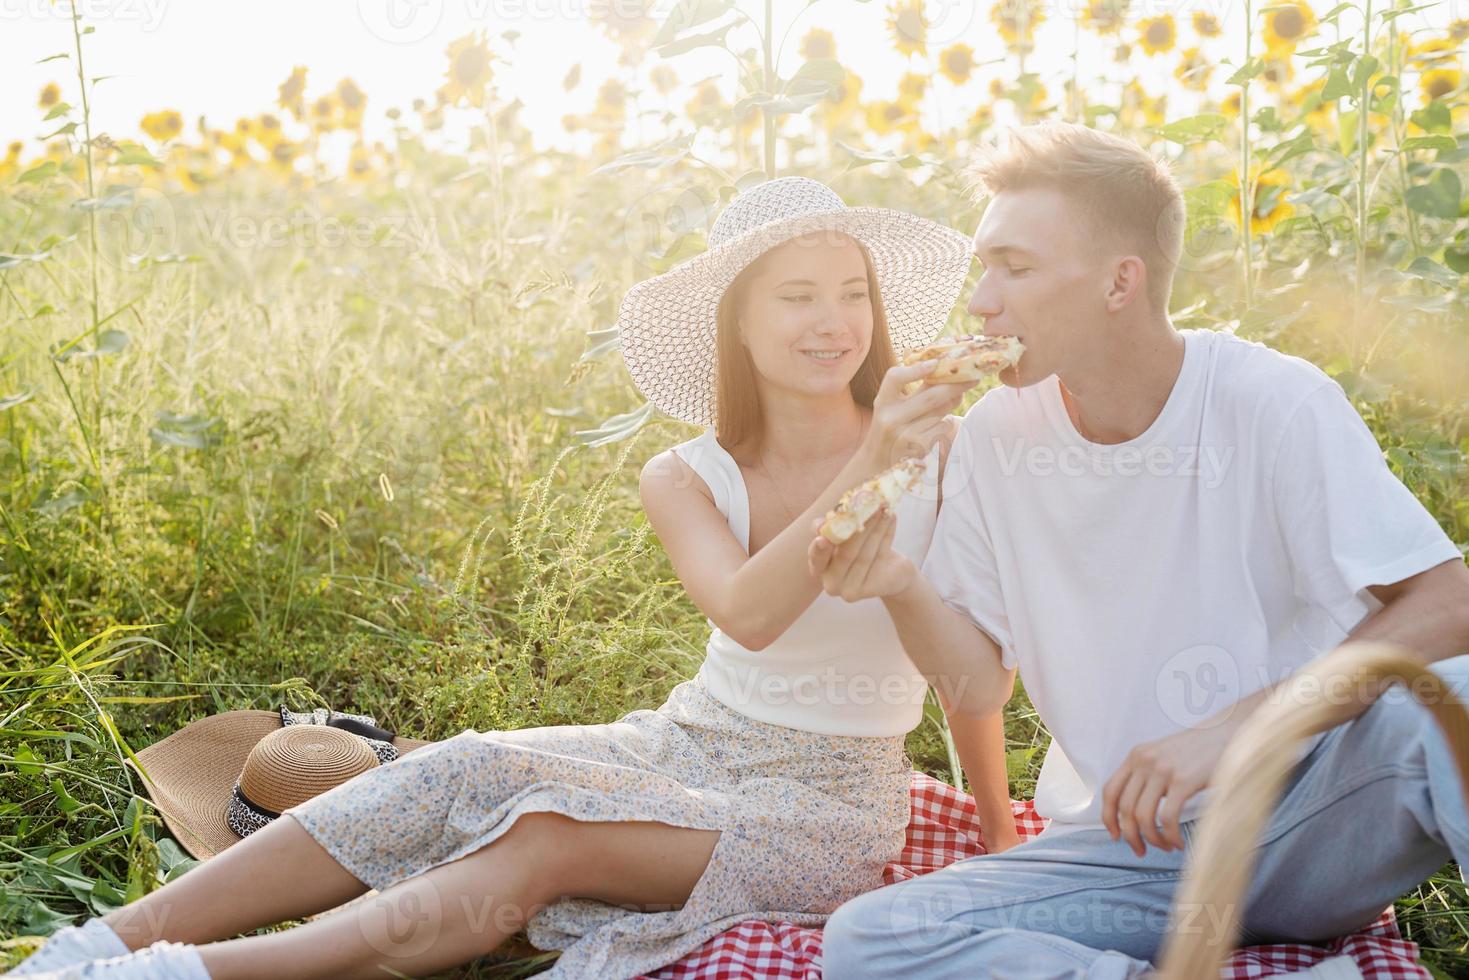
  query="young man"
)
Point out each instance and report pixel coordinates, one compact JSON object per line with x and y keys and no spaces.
{"x":1156,"y":528}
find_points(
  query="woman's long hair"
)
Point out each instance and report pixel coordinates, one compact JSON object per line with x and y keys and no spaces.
{"x":738,"y":413}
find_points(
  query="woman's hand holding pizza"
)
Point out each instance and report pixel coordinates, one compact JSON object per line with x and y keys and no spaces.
{"x":864,"y":566}
{"x":906,"y":426}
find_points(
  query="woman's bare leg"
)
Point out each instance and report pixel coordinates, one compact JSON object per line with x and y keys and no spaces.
{"x":464,"y":909}
{"x":277,"y":873}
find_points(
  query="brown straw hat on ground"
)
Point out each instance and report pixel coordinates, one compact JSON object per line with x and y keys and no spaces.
{"x":222,"y":777}
{"x":667,"y":326}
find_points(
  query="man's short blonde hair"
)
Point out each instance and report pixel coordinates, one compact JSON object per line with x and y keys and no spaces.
{"x":1118,"y":185}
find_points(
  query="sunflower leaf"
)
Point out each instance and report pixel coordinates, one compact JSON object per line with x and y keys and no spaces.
{"x":1434,"y":117}
{"x":1425,"y":268}
{"x":1289,"y":150}
{"x":1337,"y":86}
{"x":1435,"y":142}
{"x":1246,"y":72}
{"x":1367,"y":66}
{"x":687,"y":15}
{"x":693,"y":41}
{"x":1439,"y":197}
{"x":40,"y":172}
{"x":1194,"y":129}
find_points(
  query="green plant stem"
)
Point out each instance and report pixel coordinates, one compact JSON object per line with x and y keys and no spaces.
{"x":1246,"y":185}
{"x":95,"y":446}
{"x":1364,"y":112}
{"x":1397,"y":118}
{"x":766,"y":39}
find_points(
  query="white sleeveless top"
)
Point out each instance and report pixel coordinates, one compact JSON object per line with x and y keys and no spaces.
{"x":840,"y":668}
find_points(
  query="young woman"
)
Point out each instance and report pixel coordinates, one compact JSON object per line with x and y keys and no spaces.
{"x":774,"y":784}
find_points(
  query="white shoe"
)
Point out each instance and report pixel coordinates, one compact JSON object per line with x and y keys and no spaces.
{"x":71,"y":945}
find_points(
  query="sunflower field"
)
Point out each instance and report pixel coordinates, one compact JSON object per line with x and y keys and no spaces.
{"x":293,"y":415}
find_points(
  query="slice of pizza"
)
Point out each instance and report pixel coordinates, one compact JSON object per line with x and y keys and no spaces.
{"x":964,"y":358}
{"x":860,"y":503}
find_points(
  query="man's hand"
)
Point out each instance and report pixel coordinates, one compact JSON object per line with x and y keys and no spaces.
{"x":1177,"y":767}
{"x":864,"y":566}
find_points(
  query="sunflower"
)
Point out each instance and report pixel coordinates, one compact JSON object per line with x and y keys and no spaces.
{"x":237,"y":144}
{"x":957,"y":63}
{"x":1230,"y":104}
{"x":1438,"y":82}
{"x":1315,"y":110}
{"x":1152,"y":109}
{"x":663,"y":79}
{"x":1433,"y":52}
{"x":50,"y":95}
{"x":911,"y":88}
{"x":888,"y":117}
{"x":1276,"y":72}
{"x":612,"y":100}
{"x":268,"y":131}
{"x":1193,"y":69}
{"x":623,"y":22}
{"x":191,"y":166}
{"x":1459,"y":31}
{"x":1271,"y":203}
{"x":10,"y":165}
{"x":909,"y":27}
{"x":163,"y":126}
{"x":353,"y":102}
{"x":359,"y":164}
{"x":841,"y":101}
{"x":818,"y":45}
{"x":1106,"y":16}
{"x":283,"y":156}
{"x":1206,"y":24}
{"x":1017,"y":20}
{"x":469,"y":70}
{"x":707,"y":102}
{"x":324,"y":114}
{"x":983,"y":118}
{"x":1287,"y":24}
{"x":293,"y":92}
{"x":1157,"y":34}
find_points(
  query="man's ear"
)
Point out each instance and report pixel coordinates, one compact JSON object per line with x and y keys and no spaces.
{"x":1129,"y":277}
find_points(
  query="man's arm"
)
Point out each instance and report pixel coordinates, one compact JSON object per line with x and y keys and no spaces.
{"x":980,"y":743}
{"x":959,"y":660}
{"x":1427,"y":613}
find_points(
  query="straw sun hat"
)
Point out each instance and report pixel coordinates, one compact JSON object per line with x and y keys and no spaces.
{"x":667,"y":328}
{"x":220,"y":778}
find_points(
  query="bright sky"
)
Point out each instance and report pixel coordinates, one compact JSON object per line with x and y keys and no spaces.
{"x":226,"y":60}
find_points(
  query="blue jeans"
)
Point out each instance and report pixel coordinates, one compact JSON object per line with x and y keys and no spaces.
{"x":1373,"y":810}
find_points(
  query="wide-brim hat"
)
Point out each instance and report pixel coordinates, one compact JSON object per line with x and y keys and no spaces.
{"x":667,"y":327}
{"x":234,"y":771}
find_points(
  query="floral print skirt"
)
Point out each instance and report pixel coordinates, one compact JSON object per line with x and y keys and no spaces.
{"x":808,"y":821}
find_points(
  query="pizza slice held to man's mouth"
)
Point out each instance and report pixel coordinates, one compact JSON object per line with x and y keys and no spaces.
{"x":965,"y":358}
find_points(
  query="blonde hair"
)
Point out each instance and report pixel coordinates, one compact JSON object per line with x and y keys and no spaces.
{"x":738,"y":414}
{"x":1119,"y":186}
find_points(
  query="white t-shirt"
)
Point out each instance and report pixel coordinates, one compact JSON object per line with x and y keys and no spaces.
{"x":1143,"y":587}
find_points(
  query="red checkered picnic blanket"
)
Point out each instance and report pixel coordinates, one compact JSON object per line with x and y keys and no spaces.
{"x":944,"y":829}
